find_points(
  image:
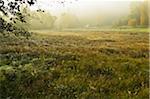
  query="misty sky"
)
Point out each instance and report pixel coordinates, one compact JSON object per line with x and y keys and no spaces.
{"x":83,"y":7}
{"x":89,"y":9}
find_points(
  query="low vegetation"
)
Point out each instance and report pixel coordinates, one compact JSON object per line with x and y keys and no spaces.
{"x":75,"y":65}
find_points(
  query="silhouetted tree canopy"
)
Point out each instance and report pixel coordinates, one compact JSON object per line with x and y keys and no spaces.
{"x":12,"y":7}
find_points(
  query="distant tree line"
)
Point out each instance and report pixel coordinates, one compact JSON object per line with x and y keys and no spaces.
{"x":138,"y":16}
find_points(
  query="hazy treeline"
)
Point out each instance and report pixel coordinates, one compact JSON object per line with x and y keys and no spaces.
{"x":138,"y":15}
{"x":36,"y":20}
{"x":40,"y":20}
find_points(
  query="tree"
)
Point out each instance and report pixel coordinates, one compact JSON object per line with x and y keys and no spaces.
{"x":67,"y":20}
{"x":139,"y":13}
{"x":41,"y":20}
{"x":144,"y":13}
{"x":135,"y":12}
{"x":13,"y":7}
{"x":12,"y":10}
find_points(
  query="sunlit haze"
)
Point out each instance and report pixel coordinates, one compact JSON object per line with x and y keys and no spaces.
{"x":84,"y":7}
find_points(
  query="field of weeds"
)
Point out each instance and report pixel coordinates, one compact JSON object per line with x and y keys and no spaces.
{"x":75,"y":65}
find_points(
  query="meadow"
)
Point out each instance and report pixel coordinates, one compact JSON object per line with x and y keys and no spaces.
{"x":75,"y":65}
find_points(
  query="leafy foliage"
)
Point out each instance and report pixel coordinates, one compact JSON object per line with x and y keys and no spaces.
{"x":8,"y":28}
{"x":12,"y":9}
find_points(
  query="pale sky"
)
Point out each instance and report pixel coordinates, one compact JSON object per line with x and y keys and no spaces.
{"x":84,"y":7}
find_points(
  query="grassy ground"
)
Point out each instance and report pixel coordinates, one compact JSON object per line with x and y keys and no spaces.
{"x":133,"y":30}
{"x":70,"y":65}
{"x":112,"y":29}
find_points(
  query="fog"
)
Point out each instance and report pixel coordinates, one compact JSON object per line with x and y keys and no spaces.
{"x":86,"y":12}
{"x":85,"y":8}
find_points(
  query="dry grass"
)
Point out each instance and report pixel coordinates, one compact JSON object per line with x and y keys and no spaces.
{"x":82,"y":65}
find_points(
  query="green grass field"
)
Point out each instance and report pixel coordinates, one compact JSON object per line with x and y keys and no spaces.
{"x":75,"y":65}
